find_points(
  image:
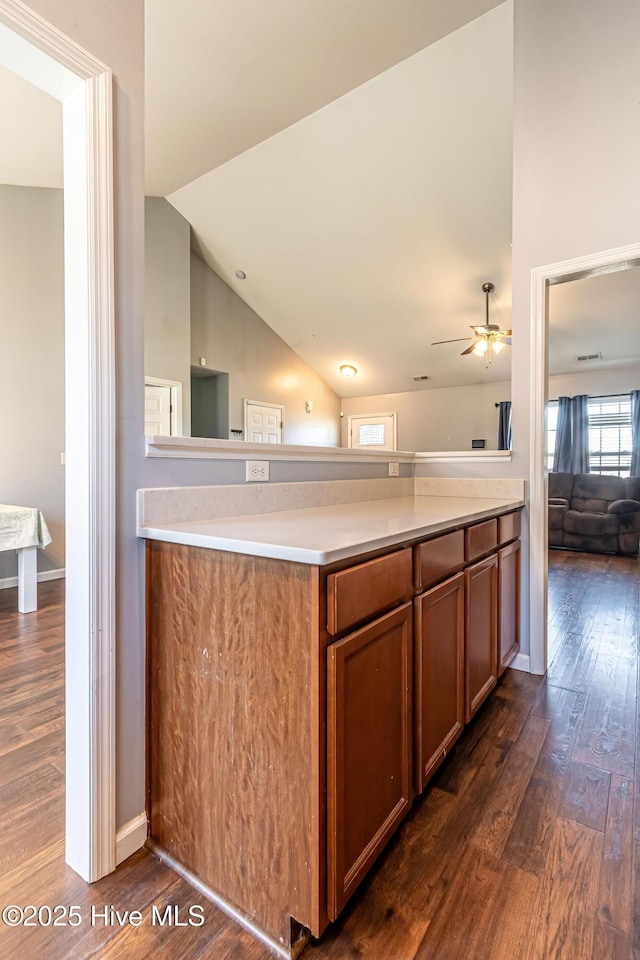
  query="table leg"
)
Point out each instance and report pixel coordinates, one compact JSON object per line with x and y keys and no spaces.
{"x":27,"y":579}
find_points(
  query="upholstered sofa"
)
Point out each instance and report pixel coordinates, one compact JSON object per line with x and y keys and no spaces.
{"x":591,"y":512}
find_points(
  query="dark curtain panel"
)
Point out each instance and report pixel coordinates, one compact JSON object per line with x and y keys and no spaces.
{"x":504,"y":425}
{"x":562,"y":452}
{"x":579,"y":434}
{"x":635,"y":433}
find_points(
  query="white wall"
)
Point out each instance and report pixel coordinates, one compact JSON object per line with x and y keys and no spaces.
{"x":261,"y":366}
{"x":596,"y":383}
{"x":446,"y":418}
{"x":32,"y":361}
{"x":167,"y":311}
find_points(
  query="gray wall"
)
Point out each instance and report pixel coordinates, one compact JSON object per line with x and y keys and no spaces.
{"x":167,"y":312}
{"x":446,"y":418}
{"x":32,"y":361}
{"x":261,"y":366}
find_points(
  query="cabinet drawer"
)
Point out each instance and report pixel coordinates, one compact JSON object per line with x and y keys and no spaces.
{"x":438,"y":558}
{"x":508,"y":527}
{"x":362,"y":591}
{"x":481,"y":538}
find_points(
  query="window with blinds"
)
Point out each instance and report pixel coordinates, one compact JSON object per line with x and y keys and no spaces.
{"x":610,"y":435}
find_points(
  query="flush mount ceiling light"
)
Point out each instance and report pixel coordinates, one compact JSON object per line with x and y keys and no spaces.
{"x":240,"y":274}
{"x":348,"y":370}
{"x":489,"y":338}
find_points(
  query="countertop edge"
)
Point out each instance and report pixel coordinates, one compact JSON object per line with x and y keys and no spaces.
{"x":172,"y":534}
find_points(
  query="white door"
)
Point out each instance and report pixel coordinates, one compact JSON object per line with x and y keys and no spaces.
{"x":377,"y":432}
{"x":263,"y":422}
{"x":157,"y":411}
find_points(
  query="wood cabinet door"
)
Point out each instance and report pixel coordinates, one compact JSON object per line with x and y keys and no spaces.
{"x":508,"y":603}
{"x":439,"y":676}
{"x":481,"y":632}
{"x":369,"y":747}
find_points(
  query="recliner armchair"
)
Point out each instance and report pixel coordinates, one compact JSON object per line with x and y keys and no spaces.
{"x":600,"y":514}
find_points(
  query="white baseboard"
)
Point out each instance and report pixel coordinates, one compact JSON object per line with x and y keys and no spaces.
{"x":521,"y":661}
{"x":58,"y":574}
{"x":131,"y":837}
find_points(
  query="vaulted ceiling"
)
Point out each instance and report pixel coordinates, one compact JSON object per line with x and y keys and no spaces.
{"x":367,"y":228}
{"x":223,"y":75}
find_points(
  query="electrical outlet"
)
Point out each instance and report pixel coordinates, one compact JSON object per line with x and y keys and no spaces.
{"x":394,"y":469}
{"x":257,"y":470}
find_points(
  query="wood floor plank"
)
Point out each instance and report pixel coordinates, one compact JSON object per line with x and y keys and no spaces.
{"x":532,"y":831}
{"x":568,"y":895}
{"x":502,"y":805}
{"x":607,"y":735}
{"x":586,"y":795}
{"x":472,"y":931}
{"x":616,"y":874}
{"x":609,"y":943}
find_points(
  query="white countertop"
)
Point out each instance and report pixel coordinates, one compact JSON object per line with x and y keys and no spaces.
{"x":321,"y":535}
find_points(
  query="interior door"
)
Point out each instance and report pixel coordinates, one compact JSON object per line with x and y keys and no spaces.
{"x":263,"y":422}
{"x":157,"y":411}
{"x":376,"y":432}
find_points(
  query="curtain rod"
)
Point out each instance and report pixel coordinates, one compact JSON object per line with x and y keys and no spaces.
{"x":596,"y":396}
{"x":601,"y":396}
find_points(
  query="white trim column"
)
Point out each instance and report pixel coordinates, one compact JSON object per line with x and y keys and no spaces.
{"x":44,"y":56}
{"x":606,"y":261}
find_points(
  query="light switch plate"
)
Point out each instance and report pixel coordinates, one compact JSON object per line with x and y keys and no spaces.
{"x":394,"y":469}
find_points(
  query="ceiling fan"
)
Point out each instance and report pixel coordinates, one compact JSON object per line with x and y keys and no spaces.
{"x":488,"y":337}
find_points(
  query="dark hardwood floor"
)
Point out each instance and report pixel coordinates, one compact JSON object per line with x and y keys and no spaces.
{"x":525,"y":846}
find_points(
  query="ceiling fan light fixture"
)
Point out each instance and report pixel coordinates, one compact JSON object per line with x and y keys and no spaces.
{"x":497,"y":346}
{"x":480,"y":348}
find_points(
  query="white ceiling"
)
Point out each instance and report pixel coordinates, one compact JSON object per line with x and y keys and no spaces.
{"x":594,"y":315}
{"x":367,"y":228}
{"x":223,"y":76}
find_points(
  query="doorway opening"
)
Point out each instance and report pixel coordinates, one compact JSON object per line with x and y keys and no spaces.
{"x":46,"y":58}
{"x":209,"y":403}
{"x":542,"y":278}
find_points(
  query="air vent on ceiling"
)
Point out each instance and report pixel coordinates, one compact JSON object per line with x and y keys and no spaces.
{"x":422,"y":377}
{"x":591,"y":356}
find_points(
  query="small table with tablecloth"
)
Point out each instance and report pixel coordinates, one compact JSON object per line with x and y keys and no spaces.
{"x":24,"y":529}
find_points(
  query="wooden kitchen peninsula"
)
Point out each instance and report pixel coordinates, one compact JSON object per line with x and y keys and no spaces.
{"x":308,"y":671}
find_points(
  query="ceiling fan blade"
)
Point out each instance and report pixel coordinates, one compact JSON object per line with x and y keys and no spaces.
{"x":457,"y":340}
{"x":506,"y":333}
{"x":506,"y":340}
{"x":468,"y":350}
